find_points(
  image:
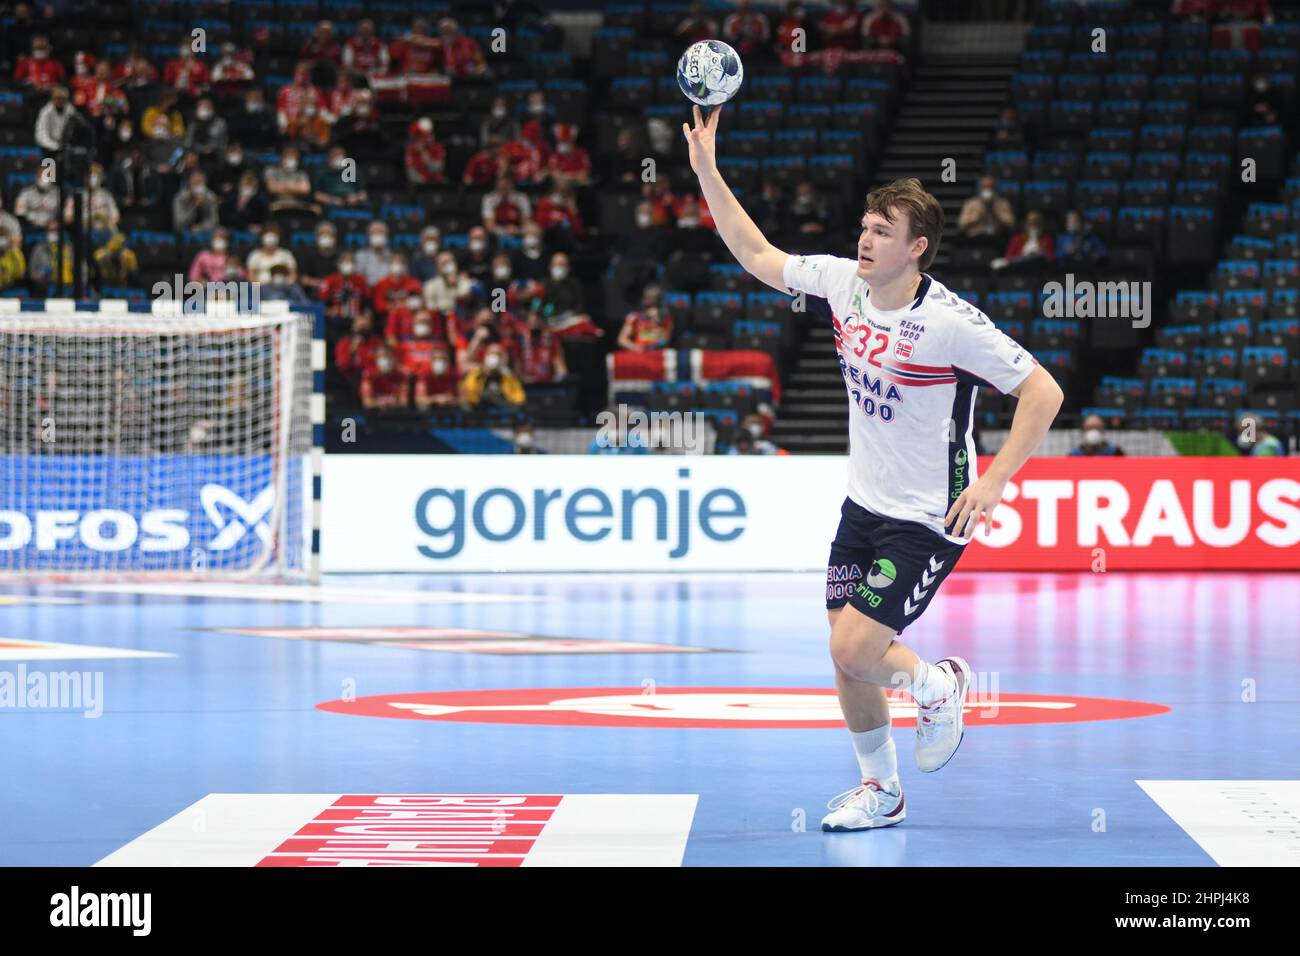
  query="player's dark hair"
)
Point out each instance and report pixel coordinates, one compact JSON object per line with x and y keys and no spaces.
{"x":924,"y":214}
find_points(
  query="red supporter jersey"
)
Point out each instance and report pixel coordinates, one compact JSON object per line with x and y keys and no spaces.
{"x":535,"y":355}
{"x":381,"y":385}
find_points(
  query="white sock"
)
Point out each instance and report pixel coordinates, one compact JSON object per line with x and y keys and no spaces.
{"x":877,"y":757}
{"x":931,"y":684}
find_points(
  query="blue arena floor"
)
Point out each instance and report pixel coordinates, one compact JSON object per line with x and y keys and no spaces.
{"x":1124,"y":719}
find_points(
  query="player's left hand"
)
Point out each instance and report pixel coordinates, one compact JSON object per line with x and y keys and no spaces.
{"x":975,"y":506}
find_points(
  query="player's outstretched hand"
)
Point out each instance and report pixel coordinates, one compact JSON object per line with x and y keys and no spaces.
{"x":975,"y":506}
{"x":700,"y":140}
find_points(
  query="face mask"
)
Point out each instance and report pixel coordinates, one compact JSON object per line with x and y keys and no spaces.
{"x":160,"y":130}
{"x":501,"y":273}
{"x":524,"y":440}
{"x":204,"y":114}
{"x":499,"y":112}
{"x":325,"y":243}
{"x":1092,"y":436}
{"x":421,"y":331}
{"x":492,"y":361}
{"x":345,"y":268}
{"x":384,"y":365}
{"x":430,"y":248}
{"x":986,"y":194}
{"x":247,"y":190}
{"x":270,"y":241}
{"x":95,"y":180}
{"x":439,"y":367}
{"x":290,"y":164}
{"x":218,"y":245}
{"x":644,"y":221}
{"x":396,"y":269}
{"x":449,"y":269}
{"x":755,"y":430}
{"x":40,"y":54}
{"x":537,"y":109}
{"x":336,"y":162}
{"x":234,"y":159}
{"x":477,"y":246}
{"x":124,"y":133}
{"x":53,"y":238}
{"x":688,"y":222}
{"x":532,"y":246}
{"x":558,"y":274}
{"x":564,"y":148}
{"x":378,"y":241}
{"x":254,"y":106}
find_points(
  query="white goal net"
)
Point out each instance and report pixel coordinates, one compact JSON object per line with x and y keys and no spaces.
{"x":141,"y":444}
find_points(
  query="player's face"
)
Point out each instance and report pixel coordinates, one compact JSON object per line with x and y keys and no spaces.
{"x":884,"y":247}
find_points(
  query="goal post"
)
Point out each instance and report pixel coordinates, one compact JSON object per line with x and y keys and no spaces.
{"x":150,"y":440}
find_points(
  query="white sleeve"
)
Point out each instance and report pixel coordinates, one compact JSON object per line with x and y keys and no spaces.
{"x":978,"y":348}
{"x":815,"y":275}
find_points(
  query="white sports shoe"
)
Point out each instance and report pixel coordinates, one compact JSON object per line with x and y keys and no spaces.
{"x":939,"y":727}
{"x":863,"y":808}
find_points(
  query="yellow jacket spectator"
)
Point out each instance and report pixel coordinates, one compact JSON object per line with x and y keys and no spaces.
{"x":115,"y":262}
{"x":492,"y":383}
{"x":41,"y":266}
{"x":13,"y":264}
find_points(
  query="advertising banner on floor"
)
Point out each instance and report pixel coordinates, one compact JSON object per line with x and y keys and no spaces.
{"x":732,"y":514}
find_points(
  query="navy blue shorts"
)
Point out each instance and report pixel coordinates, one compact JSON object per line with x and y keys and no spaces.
{"x":889,"y":570}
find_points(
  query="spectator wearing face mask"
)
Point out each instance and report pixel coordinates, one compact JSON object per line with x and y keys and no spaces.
{"x":461,"y":55}
{"x":186,"y":73}
{"x":373,"y":261}
{"x":115,"y":264}
{"x":1094,"y":439}
{"x":414,"y":351}
{"x":492,"y":384}
{"x":451,"y":287}
{"x":288,"y":188}
{"x":38,"y":203}
{"x":283,"y":288}
{"x":292,"y":102}
{"x":563,"y":294}
{"x":569,"y":161}
{"x":270,"y":254}
{"x":233,"y":74}
{"x":344,"y":293}
{"x":207,"y":135}
{"x":134,"y":182}
{"x":40,"y":71}
{"x":986,"y":214}
{"x":498,"y":123}
{"x":1078,"y":245}
{"x":425,"y":157}
{"x":394,"y":289}
{"x":364,"y":52}
{"x":747,"y":30}
{"x":531,"y":261}
{"x":647,"y":328}
{"x":246,"y":207}
{"x":506,"y":209}
{"x":102,"y":208}
{"x":255,"y":124}
{"x":383,"y":384}
{"x":210,"y":263}
{"x":224,"y":179}
{"x":1031,"y":246}
{"x":751,"y":438}
{"x":424,"y":264}
{"x":319,"y":261}
{"x":405,"y":316}
{"x":162,"y":120}
{"x":13,"y":264}
{"x":538,"y":353}
{"x":43,"y":265}
{"x":53,"y":119}
{"x":517,"y":290}
{"x":194,"y":209}
{"x":438,"y":385}
{"x":337,"y":184}
{"x":559,"y":217}
{"x":355,"y":352}
{"x":478,"y":257}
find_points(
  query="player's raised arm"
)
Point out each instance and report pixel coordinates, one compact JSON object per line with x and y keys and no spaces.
{"x":756,"y":255}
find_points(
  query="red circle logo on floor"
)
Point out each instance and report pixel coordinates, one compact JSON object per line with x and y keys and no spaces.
{"x":710,"y":707}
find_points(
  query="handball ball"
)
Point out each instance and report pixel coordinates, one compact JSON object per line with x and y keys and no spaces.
{"x":709,"y":73}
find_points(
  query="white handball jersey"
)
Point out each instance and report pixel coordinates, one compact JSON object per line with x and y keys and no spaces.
{"x":911,"y":375}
